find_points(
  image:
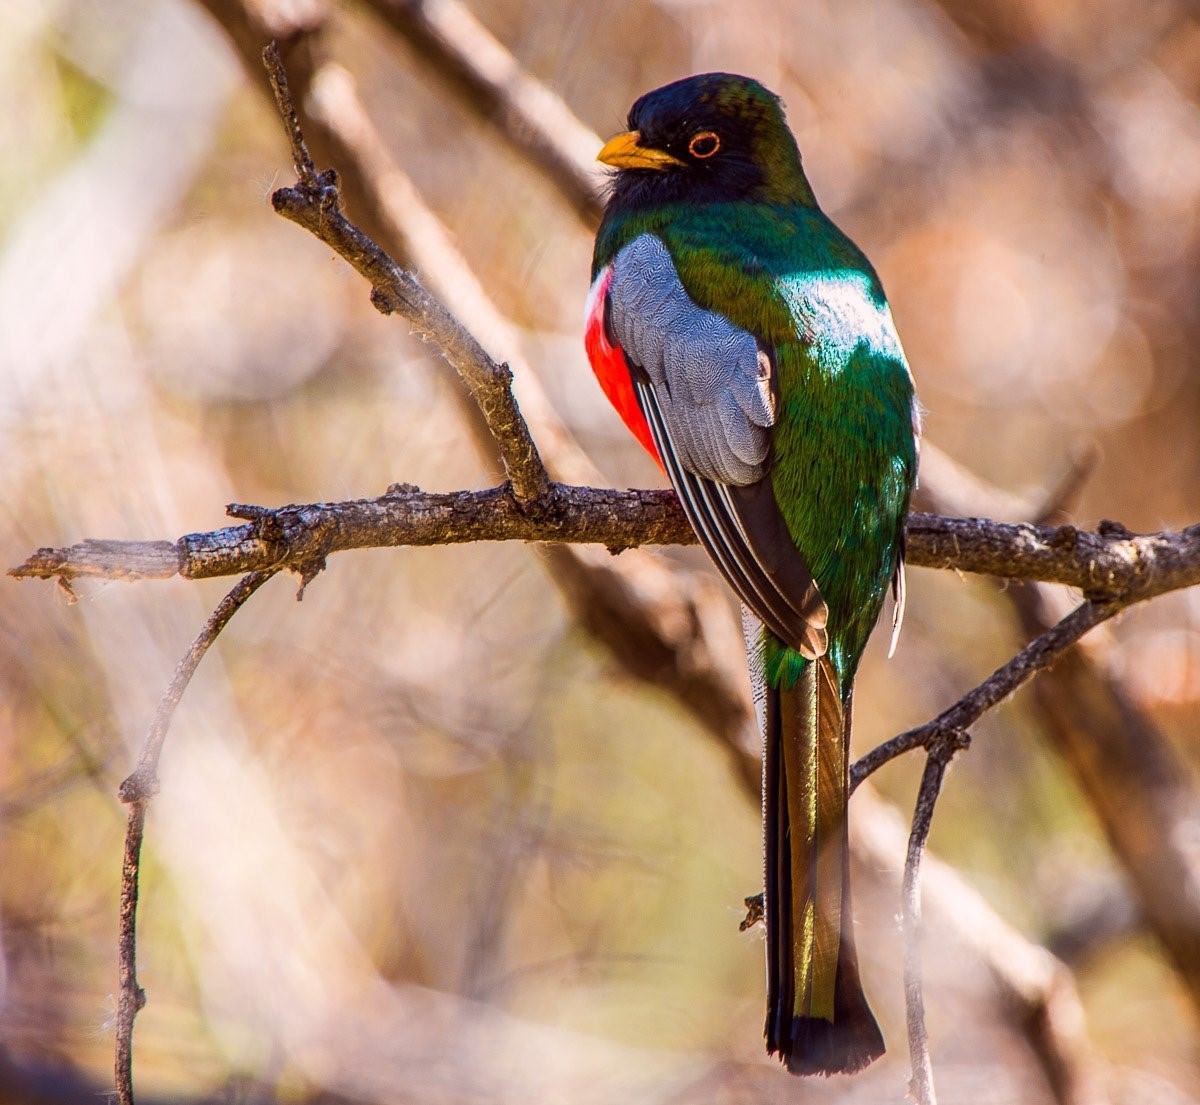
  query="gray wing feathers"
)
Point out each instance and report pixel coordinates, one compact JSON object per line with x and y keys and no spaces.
{"x":768,"y":574}
{"x":705,"y":388}
{"x":712,"y":382}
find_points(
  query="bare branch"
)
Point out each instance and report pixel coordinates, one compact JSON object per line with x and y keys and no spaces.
{"x":1109,"y":564}
{"x":302,"y":160}
{"x":315,"y":204}
{"x":951,"y":725}
{"x":136,"y":792}
{"x":294,"y":536}
{"x":921,"y":1087}
{"x":127,"y":560}
{"x":946,"y":735}
{"x":130,"y":995}
{"x":1038,"y":989}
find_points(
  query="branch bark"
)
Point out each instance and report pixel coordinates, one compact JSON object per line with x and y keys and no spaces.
{"x":136,"y":792}
{"x":921,"y":1086}
{"x":315,"y":204}
{"x":1108,"y":564}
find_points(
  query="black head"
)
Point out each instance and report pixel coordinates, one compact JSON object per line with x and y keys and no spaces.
{"x":709,"y":138}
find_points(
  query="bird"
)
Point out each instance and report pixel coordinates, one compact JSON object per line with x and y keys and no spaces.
{"x":746,"y":342}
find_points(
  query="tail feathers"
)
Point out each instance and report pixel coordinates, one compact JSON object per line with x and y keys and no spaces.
{"x":818,"y":1020}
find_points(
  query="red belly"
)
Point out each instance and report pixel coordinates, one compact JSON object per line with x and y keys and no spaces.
{"x":610,"y":367}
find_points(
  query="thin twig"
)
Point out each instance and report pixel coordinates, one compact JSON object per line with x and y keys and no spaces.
{"x":136,"y":792}
{"x":315,"y":204}
{"x":130,"y":995}
{"x":955,"y":720}
{"x":921,"y":1086}
{"x":943,"y":737}
{"x":301,"y":159}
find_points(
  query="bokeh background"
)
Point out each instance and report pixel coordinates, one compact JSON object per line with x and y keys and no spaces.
{"x":420,"y":838}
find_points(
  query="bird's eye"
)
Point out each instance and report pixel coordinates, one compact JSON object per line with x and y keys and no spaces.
{"x":704,"y":144}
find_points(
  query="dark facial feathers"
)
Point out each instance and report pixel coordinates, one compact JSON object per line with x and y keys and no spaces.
{"x":757,"y":158}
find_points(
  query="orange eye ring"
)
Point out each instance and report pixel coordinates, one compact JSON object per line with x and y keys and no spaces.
{"x":704,"y":144}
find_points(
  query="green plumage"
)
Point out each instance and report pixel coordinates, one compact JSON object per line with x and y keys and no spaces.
{"x":748,"y":242}
{"x":844,"y":454}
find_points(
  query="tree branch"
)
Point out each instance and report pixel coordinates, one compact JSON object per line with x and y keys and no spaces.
{"x":921,"y":1086}
{"x":136,"y":792}
{"x":1109,"y":564}
{"x":943,"y":737}
{"x":951,"y":725}
{"x":315,"y":204}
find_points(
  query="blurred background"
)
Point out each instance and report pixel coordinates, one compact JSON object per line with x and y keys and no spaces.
{"x":421,"y":837}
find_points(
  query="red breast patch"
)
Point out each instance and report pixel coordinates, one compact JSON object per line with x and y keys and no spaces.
{"x":611,"y":368}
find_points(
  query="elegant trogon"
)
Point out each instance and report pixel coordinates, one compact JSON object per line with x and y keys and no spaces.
{"x":747,"y":344}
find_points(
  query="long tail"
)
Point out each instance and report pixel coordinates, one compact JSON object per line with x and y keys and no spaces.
{"x":818,"y":1021}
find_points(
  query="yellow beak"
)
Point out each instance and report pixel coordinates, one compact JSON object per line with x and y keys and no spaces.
{"x":624,"y":152}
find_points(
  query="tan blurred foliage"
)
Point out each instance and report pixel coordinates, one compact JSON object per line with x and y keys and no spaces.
{"x":417,"y":840}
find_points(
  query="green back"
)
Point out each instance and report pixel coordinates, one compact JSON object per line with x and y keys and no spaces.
{"x":843,"y":452}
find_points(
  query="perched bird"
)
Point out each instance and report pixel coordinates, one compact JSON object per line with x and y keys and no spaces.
{"x":747,"y":344}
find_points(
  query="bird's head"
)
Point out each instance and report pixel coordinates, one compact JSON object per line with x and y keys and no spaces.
{"x":710,"y":138}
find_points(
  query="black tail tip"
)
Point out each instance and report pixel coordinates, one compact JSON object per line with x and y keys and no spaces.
{"x":818,"y":1046}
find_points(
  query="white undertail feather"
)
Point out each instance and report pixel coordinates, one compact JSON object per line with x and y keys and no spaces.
{"x":754,"y":636}
{"x":899,"y":601}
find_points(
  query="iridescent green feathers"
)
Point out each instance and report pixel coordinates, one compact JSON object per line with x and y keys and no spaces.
{"x":747,"y":242}
{"x":843,"y":445}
